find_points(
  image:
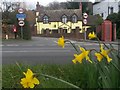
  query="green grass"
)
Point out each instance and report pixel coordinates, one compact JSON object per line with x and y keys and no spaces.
{"x":0,"y":76}
{"x":86,"y":75}
{"x":74,"y":74}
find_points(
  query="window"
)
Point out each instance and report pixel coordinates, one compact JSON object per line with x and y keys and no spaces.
{"x":102,"y":15}
{"x":74,"y":18}
{"x":64,"y":19}
{"x":45,"y":19}
{"x":111,"y":10}
{"x":119,"y":8}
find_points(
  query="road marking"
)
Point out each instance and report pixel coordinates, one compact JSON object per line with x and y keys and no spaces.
{"x":66,"y":42}
{"x":2,"y":45}
{"x":86,"y":44}
{"x":46,"y":38}
{"x":25,"y":51}
{"x":12,"y":45}
{"x":55,"y":42}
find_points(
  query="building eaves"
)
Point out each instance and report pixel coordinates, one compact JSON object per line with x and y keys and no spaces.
{"x":96,"y":3}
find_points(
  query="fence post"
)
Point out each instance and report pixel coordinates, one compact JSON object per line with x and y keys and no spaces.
{"x":6,"y":36}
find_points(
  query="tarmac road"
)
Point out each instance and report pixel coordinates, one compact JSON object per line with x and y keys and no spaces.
{"x":40,"y":50}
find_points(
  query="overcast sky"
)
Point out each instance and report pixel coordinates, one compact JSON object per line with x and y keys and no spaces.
{"x":32,"y":3}
{"x":45,"y":2}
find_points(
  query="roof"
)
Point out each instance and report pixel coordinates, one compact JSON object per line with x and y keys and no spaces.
{"x":55,"y":15}
{"x":96,"y":3}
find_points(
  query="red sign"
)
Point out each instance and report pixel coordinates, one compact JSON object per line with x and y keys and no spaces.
{"x":20,"y":10}
{"x":85,"y":21}
{"x":14,"y":28}
{"x":85,"y":15}
{"x":21,"y":23}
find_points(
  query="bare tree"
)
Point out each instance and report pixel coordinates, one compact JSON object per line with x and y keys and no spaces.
{"x":56,"y":5}
{"x":10,"y":6}
{"x":53,"y":5}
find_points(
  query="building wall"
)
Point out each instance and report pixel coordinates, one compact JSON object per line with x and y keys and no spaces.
{"x":102,"y":7}
{"x":57,"y":25}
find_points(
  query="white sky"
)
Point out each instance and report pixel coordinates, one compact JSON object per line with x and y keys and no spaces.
{"x":32,"y":3}
{"x":43,"y":2}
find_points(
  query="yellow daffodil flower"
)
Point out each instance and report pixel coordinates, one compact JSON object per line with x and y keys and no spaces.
{"x":61,"y":42}
{"x":103,"y":53}
{"x":29,"y":81}
{"x":91,"y":35}
{"x":28,"y":74}
{"x":80,"y":57}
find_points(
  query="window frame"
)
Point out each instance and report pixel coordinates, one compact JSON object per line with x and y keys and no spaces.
{"x":74,"y":18}
{"x":111,"y":10}
{"x":102,"y":14}
{"x":119,"y":8}
{"x":64,"y":19}
{"x":45,"y":19}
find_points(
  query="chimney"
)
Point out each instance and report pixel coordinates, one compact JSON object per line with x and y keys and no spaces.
{"x":80,"y":6}
{"x":38,"y":7}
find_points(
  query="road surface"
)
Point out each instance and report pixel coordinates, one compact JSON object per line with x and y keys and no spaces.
{"x":40,"y":50}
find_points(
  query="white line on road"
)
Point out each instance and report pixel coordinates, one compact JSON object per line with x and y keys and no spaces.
{"x":46,"y":38}
{"x":12,"y":45}
{"x":1,"y":45}
{"x":55,"y":41}
{"x":25,"y":51}
{"x":86,"y":44}
{"x":79,"y":43}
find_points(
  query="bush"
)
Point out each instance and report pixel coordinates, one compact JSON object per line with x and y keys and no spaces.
{"x":26,"y":31}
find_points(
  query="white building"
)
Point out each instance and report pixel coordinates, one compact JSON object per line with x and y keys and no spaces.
{"x":106,"y":7}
